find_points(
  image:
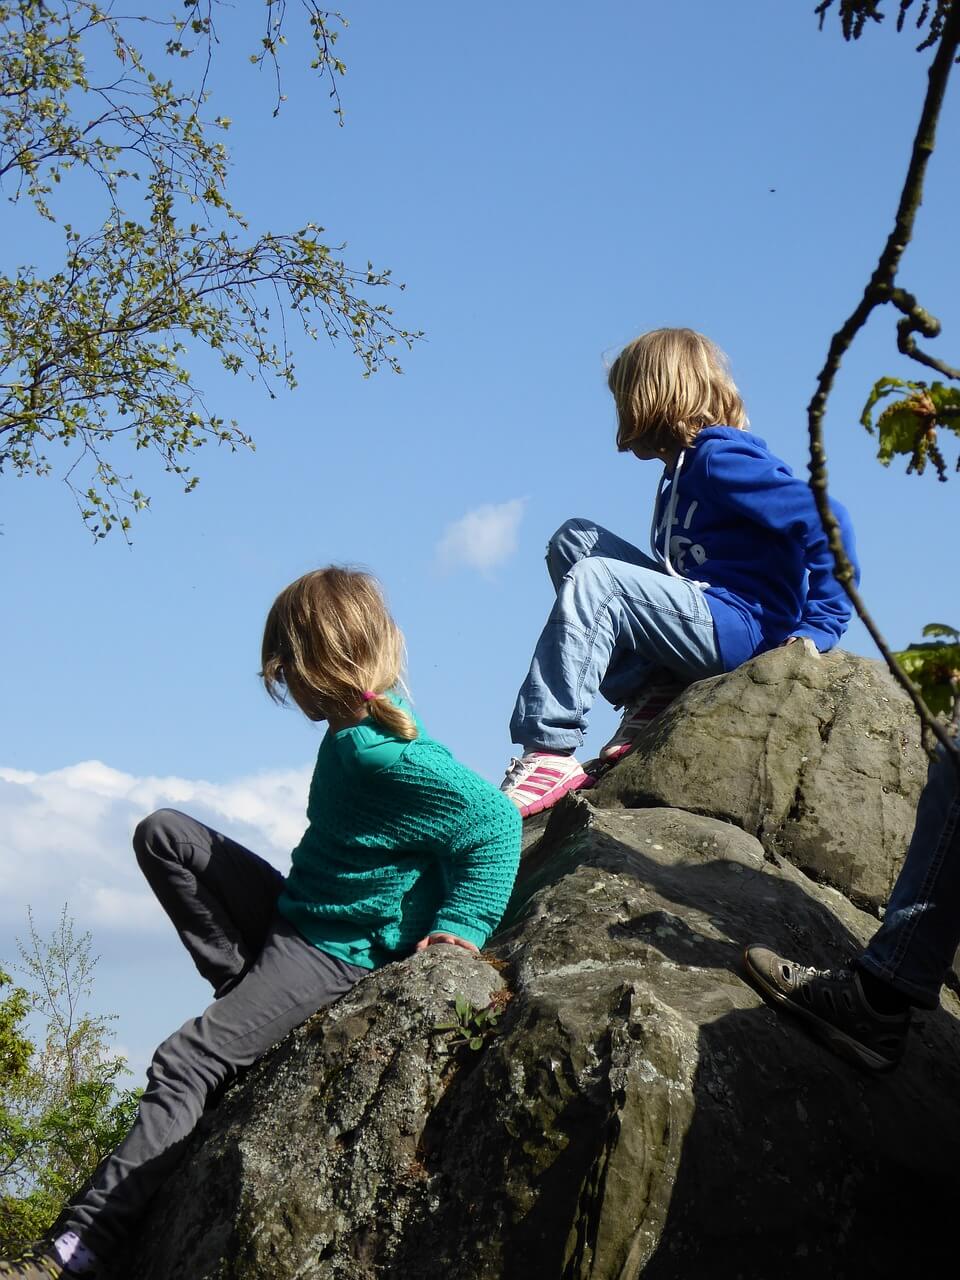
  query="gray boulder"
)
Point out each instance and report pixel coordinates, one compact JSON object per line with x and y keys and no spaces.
{"x":638,"y":1112}
{"x":819,"y":757}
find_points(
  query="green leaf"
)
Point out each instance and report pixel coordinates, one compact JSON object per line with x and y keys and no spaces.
{"x":935,"y":668}
{"x":882,"y":388}
{"x":899,"y":426}
{"x":910,"y":427}
{"x":941,"y":629}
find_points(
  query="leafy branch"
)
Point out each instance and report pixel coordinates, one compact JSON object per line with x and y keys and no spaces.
{"x":880,"y":290}
{"x":934,"y":664}
{"x":96,"y":353}
{"x":910,"y":426}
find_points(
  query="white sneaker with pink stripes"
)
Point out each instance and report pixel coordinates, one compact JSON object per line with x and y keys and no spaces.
{"x":638,"y":713}
{"x":537,"y":780}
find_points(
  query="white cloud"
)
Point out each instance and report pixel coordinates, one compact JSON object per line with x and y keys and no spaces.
{"x":483,"y":538}
{"x":66,"y":836}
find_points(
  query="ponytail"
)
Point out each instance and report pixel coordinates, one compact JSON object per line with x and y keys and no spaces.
{"x":386,"y":713}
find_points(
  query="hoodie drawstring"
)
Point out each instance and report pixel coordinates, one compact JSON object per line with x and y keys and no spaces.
{"x":664,"y":556}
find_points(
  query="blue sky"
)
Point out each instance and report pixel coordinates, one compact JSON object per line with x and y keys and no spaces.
{"x":548,"y":181}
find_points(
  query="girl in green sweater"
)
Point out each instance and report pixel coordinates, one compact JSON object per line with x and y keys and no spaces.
{"x":404,"y":848}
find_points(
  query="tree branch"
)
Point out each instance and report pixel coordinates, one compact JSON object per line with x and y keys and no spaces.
{"x":881,"y":289}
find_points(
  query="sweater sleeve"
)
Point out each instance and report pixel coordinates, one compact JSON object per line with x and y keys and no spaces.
{"x":479,"y":864}
{"x":763,"y":489}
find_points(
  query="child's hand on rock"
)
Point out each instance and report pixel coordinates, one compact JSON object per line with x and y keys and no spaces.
{"x":807,"y":643}
{"x":449,"y":938}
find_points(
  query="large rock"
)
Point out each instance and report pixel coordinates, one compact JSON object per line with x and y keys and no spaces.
{"x":640,"y":1111}
{"x":818,"y":757}
{"x":313,"y":1165}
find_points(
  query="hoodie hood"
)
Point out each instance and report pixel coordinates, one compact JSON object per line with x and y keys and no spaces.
{"x":369,"y":746}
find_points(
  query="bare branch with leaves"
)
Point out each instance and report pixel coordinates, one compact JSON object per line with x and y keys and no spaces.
{"x":929,"y":408}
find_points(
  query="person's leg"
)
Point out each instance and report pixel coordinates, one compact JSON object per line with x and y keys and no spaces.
{"x":578,"y":538}
{"x":288,"y":982}
{"x":621,"y":627}
{"x":915,"y":946}
{"x":864,"y":1013}
{"x":609,"y":609}
{"x":219,"y":896}
{"x":575,"y":540}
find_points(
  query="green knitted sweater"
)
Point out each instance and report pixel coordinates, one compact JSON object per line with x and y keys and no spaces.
{"x":402,"y":841}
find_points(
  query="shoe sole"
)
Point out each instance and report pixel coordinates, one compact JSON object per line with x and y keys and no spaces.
{"x":547,"y":801}
{"x":842,"y":1044}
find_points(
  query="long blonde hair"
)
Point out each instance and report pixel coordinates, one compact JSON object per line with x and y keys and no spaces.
{"x":667,"y":385}
{"x":330,"y":642}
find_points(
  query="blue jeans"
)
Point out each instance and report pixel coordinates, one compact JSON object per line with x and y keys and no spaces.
{"x":916,"y":944}
{"x":617,"y":618}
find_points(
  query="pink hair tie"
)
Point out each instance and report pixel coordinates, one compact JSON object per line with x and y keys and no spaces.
{"x":369,"y":695}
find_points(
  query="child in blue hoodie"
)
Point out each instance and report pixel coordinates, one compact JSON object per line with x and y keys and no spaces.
{"x":739,"y":564}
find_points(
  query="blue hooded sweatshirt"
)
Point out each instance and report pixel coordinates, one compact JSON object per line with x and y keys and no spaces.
{"x":745,"y":527}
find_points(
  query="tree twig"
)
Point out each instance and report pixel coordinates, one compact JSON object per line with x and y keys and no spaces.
{"x":881,"y":289}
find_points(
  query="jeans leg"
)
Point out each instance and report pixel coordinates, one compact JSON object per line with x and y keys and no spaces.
{"x":605,"y":608}
{"x":577,"y":538}
{"x":289,"y":981}
{"x":219,"y":896}
{"x":916,"y":944}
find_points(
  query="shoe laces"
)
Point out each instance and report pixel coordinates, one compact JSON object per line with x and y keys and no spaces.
{"x":522,"y":769}
{"x":519,"y":770}
{"x":515,"y":770}
{"x":804,"y":973}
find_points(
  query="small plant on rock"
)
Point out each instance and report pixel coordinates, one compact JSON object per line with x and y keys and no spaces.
{"x":470,"y":1026}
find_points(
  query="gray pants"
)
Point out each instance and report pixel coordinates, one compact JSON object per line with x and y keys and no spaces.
{"x":266,"y":978}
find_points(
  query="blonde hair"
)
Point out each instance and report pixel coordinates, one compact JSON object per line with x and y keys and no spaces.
{"x":330,"y":642}
{"x":667,"y":385}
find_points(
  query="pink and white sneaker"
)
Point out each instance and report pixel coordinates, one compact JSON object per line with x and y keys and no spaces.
{"x":638,"y":713}
{"x":538,"y":780}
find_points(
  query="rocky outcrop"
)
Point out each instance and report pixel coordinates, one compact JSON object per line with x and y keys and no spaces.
{"x":817,"y":756}
{"x":637,"y":1111}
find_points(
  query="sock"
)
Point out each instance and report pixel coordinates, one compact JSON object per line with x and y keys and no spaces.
{"x":74,"y":1254}
{"x":881,"y":997}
